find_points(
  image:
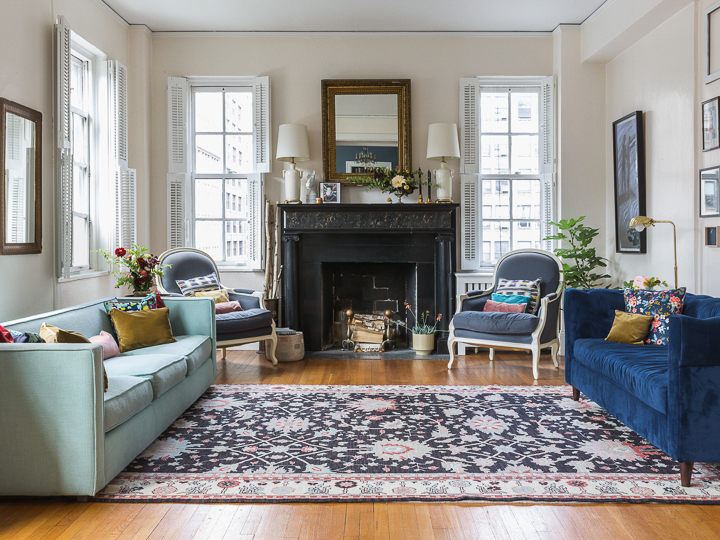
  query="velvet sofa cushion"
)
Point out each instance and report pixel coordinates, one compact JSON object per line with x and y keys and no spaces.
{"x":495,"y":322}
{"x":242,"y":321}
{"x":641,"y":370}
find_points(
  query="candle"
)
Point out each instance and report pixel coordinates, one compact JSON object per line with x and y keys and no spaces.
{"x":429,"y":182}
{"x":420,"y":182}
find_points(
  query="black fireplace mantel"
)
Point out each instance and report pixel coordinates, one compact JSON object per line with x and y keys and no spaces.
{"x":313,"y":235}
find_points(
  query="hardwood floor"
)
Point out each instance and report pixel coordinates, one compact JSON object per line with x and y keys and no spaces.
{"x":45,"y":518}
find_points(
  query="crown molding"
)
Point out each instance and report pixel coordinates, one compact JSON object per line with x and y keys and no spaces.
{"x":302,"y":33}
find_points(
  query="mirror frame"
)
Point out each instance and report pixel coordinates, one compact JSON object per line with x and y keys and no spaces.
{"x":334,"y":87}
{"x":7,"y":106}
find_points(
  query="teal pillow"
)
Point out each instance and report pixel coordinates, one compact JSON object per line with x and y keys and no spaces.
{"x":510,"y":298}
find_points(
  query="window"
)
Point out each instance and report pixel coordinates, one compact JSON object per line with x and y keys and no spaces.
{"x":506,"y":167}
{"x":81,"y":125}
{"x":219,"y":147}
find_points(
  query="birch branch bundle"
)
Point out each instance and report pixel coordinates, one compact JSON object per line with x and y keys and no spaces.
{"x":268,"y":247}
{"x":276,"y":268}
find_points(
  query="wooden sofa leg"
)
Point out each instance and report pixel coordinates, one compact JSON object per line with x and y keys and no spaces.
{"x":576,"y":394}
{"x":686,"y":469}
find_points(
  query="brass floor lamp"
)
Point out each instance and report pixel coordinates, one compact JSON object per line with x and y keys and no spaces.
{"x":641,"y":222}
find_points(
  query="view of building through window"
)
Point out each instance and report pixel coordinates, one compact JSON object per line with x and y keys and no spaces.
{"x":511,"y":188}
{"x":223,"y":141}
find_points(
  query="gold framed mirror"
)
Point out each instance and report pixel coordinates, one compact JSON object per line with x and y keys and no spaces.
{"x":21,"y":188}
{"x":366,"y":124}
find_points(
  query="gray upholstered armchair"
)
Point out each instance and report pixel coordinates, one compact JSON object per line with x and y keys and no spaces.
{"x":474,"y":327}
{"x":236,"y":328}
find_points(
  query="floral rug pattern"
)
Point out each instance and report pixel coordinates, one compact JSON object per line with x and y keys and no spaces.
{"x":313,"y":443}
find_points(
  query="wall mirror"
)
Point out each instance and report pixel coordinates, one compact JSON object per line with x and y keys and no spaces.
{"x":366,"y":124}
{"x":21,"y":190}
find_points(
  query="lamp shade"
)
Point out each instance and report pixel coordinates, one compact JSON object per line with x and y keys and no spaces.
{"x":293,"y":143}
{"x":443,"y":142}
{"x":639,"y":223}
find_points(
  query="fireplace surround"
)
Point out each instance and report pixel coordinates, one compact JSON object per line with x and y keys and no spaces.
{"x":316,"y":237}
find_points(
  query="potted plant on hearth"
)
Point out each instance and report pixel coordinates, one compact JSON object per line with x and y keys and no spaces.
{"x":423,"y":333}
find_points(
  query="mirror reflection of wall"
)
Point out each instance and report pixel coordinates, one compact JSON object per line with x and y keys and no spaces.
{"x":19,"y":180}
{"x":366,"y":132}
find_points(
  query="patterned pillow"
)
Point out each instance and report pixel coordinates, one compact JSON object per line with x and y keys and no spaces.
{"x":521,"y":287}
{"x":151,"y":301}
{"x":188,"y":287}
{"x":659,"y":304}
{"x":26,"y":337}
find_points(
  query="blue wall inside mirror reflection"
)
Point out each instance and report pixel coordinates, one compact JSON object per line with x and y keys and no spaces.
{"x":348,"y":153}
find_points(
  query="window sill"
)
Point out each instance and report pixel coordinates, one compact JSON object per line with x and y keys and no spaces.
{"x":84,"y":275}
{"x":242,"y":269}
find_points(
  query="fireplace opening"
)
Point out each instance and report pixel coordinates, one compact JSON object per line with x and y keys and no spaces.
{"x":366,"y":288}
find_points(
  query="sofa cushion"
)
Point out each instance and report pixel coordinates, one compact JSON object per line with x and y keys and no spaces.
{"x":195,"y":349}
{"x":242,"y":321}
{"x":163,"y":370}
{"x":495,"y":322}
{"x":125,"y":397}
{"x":641,"y":370}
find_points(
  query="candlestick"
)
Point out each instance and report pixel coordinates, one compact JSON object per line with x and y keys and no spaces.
{"x":429,"y":197}
{"x":420,"y":181}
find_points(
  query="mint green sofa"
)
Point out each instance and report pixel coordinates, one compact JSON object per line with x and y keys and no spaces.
{"x":60,"y":434}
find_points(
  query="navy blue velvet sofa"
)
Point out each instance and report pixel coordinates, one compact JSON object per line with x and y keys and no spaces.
{"x":669,"y":394}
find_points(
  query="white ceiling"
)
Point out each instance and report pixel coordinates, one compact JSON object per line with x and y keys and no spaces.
{"x":354,"y":15}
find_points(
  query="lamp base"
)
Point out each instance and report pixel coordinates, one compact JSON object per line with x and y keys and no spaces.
{"x":293,"y":201}
{"x":443,"y":200}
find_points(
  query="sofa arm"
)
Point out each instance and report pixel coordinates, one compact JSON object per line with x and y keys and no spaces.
{"x":248,"y":299}
{"x":192,"y":316}
{"x":52,"y":423}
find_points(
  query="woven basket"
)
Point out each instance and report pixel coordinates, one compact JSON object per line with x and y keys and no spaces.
{"x":290,"y":347}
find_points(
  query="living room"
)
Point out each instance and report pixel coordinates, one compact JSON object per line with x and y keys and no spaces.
{"x":626,"y":56}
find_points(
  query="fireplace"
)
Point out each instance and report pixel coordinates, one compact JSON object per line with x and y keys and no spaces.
{"x":331,"y":247}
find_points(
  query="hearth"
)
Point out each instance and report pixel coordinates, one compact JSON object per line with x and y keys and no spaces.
{"x":348,"y":245}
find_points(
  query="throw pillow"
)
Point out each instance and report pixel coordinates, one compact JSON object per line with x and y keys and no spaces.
{"x":509,"y":298}
{"x":5,"y":336}
{"x":151,"y":301}
{"x":219,"y":295}
{"x":138,"y":329}
{"x":26,"y":337}
{"x":660,"y":304}
{"x":521,"y":287}
{"x":188,"y":287}
{"x":505,"y":307}
{"x":631,"y":328}
{"x":53,"y":334}
{"x":227,"y":307}
{"x":110,"y":348}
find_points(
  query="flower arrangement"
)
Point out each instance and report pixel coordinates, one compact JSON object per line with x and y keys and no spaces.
{"x":134,"y":267}
{"x":399,"y":182}
{"x":642,"y":282}
{"x":421,"y":326}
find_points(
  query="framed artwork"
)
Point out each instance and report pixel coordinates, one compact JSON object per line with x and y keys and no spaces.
{"x":330,"y":192}
{"x":709,"y":192}
{"x":629,"y":162}
{"x":712,"y":43}
{"x":711,"y":141}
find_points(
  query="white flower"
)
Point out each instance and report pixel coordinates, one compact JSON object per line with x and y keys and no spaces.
{"x":397,"y":181}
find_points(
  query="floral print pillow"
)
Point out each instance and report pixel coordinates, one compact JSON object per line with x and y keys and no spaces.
{"x":659,"y":304}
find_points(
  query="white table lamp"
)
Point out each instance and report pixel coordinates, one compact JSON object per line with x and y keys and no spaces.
{"x":292,"y":147}
{"x":443,"y":145}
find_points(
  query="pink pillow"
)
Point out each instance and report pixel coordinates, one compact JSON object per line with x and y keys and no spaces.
{"x":504,"y":307}
{"x":227,"y":307}
{"x":110,"y":348}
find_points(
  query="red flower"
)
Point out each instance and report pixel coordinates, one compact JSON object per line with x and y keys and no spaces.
{"x":120,"y":252}
{"x":141,"y":262}
{"x":143,"y":273}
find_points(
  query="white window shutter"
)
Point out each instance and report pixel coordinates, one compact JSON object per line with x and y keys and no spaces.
{"x":547,"y":124}
{"x":255,"y":222}
{"x":469,"y":155}
{"x":125,"y":208}
{"x":66,"y":212}
{"x":469,"y":218}
{"x":261,"y":112}
{"x":14,"y":138}
{"x":117,"y":79}
{"x":176,"y":211}
{"x":548,"y":204}
{"x":178,"y":155}
{"x":62,"y":112}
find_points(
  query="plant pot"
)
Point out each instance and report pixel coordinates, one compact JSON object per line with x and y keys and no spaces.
{"x":423,"y":344}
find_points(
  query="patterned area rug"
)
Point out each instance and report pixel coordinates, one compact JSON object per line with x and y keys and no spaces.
{"x":254,"y":443}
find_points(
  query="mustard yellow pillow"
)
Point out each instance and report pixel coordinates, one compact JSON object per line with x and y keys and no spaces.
{"x":220,"y":295}
{"x":631,"y":328}
{"x":53,"y":334}
{"x":138,"y":329}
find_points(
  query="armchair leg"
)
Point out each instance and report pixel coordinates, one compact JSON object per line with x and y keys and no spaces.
{"x":224,"y":352}
{"x":535,"y":360}
{"x":491,"y":353}
{"x":451,"y":348}
{"x":686,"y":469}
{"x":554,"y":348}
{"x":270,"y":345}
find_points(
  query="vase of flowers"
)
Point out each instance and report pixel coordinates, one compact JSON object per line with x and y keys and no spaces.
{"x":401,"y":183}
{"x":134,"y":267}
{"x":423,"y":332}
{"x":642,"y":282}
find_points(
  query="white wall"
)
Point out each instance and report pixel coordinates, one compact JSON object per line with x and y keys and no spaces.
{"x":297,"y":64}
{"x":657,"y":75}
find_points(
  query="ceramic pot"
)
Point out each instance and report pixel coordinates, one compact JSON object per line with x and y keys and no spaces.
{"x":423,"y":344}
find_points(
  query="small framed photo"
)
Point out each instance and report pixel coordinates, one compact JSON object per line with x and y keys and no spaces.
{"x":709,"y":188}
{"x":330,"y":192}
{"x":711,"y":141}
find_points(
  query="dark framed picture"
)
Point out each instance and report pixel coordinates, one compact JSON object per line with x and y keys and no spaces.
{"x":709,"y":196}
{"x":629,"y":161}
{"x":330,"y":192}
{"x":711,"y":141}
